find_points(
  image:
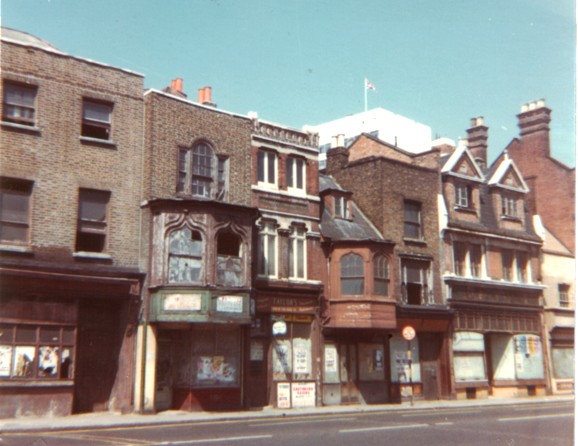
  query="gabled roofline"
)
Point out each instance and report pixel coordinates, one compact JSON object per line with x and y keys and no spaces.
{"x":453,"y":160}
{"x":499,"y":173}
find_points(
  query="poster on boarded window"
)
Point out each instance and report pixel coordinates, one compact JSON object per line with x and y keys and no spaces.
{"x":302,"y":395}
{"x":528,"y":357}
{"x":283,"y":395}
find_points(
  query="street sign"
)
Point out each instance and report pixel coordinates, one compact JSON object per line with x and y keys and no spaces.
{"x":408,"y":333}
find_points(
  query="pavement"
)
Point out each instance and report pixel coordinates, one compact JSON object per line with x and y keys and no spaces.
{"x":116,"y":420}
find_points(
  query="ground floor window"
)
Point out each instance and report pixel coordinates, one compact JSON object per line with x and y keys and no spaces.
{"x":36,"y":351}
{"x":209,"y":355}
{"x":563,"y":362}
{"x":291,"y":349}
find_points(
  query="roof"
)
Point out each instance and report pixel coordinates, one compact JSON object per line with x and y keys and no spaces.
{"x":358,"y":228}
{"x":26,"y":39}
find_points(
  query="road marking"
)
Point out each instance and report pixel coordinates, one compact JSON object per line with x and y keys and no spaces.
{"x":539,"y":406}
{"x":535,"y":417}
{"x":383,"y":428}
{"x":117,"y":441}
{"x":446,"y":423}
{"x":320,"y":420}
{"x":440,"y":413}
{"x":214,"y":440}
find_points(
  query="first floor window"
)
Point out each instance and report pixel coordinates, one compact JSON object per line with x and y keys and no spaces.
{"x":19,"y":103}
{"x":297,"y":252}
{"x":15,"y":198}
{"x":380,"y":275}
{"x":507,"y":265}
{"x":268,"y":250}
{"x":36,"y":352}
{"x":475,"y":260}
{"x":92,"y":220}
{"x":352,"y":274}
{"x":460,"y":253}
{"x":416,"y":282}
{"x":185,"y":256}
{"x":96,"y":119}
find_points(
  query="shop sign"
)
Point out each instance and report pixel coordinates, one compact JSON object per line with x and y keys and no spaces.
{"x":230,"y":304}
{"x":283,"y":395}
{"x":182,"y":302}
{"x":279,"y":328}
{"x":303,"y":395}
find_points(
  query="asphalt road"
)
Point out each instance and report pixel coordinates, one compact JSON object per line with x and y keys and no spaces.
{"x":528,"y":425}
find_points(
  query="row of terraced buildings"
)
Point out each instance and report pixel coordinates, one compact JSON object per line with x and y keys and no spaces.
{"x":157,"y":252}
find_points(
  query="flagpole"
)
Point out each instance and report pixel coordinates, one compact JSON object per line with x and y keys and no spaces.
{"x":365,"y":92}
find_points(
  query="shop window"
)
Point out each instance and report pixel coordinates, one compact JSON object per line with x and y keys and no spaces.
{"x":371,"y":362}
{"x":469,"y":357}
{"x":291,"y":350}
{"x":96,"y":119}
{"x":267,"y":168}
{"x":201,"y":173}
{"x":209,"y":356}
{"x":15,"y":196}
{"x":295,"y":173}
{"x":185,"y":256}
{"x":517,"y":357}
{"x":229,"y":259}
{"x":267,"y":265}
{"x":36,"y":352}
{"x":297,"y":252}
{"x":380,"y":275}
{"x":19,"y":104}
{"x":92,"y":220}
{"x":564,"y":295}
{"x":416,"y":282}
{"x":412,"y":220}
{"x":352,"y":275}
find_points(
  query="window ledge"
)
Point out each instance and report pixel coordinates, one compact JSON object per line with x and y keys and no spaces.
{"x":91,"y":255}
{"x":22,"y":128}
{"x":466,"y":210}
{"x":16,"y":249}
{"x":510,"y":218}
{"x":98,"y":142}
{"x":415,"y":241}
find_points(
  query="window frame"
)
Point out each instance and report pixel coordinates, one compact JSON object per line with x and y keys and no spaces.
{"x":463,"y":196}
{"x":268,"y":247}
{"x":509,"y":207}
{"x":238,"y":270}
{"x":351,"y":270}
{"x":199,"y":179}
{"x":298,"y":252}
{"x":413,"y":223}
{"x":92,"y":226}
{"x":8,"y":104}
{"x":341,"y":207}
{"x":295,"y":173}
{"x":426,"y":281}
{"x":564,"y":295}
{"x":508,"y":265}
{"x":194,"y":257}
{"x":91,"y":127}
{"x":267,"y":166}
{"x":16,"y":188}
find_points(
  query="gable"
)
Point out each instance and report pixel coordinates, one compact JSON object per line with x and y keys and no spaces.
{"x":509,"y":177}
{"x":461,"y":163}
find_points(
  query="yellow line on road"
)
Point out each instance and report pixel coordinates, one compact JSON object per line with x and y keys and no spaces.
{"x":536,"y":417}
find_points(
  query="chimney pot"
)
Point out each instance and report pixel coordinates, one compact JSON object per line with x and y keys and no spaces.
{"x":207,"y":96}
{"x":201,"y":96}
{"x":177,"y":84}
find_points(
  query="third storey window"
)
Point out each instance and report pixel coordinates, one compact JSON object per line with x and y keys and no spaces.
{"x":96,"y":120}
{"x":295,"y":173}
{"x":412,"y":220}
{"x":201,"y":173}
{"x":19,"y":104}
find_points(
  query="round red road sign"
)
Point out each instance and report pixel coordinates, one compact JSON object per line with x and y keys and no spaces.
{"x":408,"y":332}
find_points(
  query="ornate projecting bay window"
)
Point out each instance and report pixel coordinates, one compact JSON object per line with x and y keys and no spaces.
{"x":185,"y":256}
{"x":352,"y":275}
{"x":229,"y":259}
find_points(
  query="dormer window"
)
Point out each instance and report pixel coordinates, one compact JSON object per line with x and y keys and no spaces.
{"x":341,"y":207}
{"x":509,"y":207}
{"x":463,"y":196}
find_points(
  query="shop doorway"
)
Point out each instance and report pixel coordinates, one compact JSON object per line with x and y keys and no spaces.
{"x":348,"y":373}
{"x":164,"y":374}
{"x":430,"y":352}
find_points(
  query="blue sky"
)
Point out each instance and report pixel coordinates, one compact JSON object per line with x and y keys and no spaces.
{"x":298,"y":62}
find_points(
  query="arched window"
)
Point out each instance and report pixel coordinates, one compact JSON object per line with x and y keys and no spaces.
{"x":185,"y":256}
{"x":380,"y":275}
{"x":202,"y":173}
{"x":352,"y":282}
{"x":229,"y":261}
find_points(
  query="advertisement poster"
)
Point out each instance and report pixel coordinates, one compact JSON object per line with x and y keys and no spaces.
{"x":330,"y":359}
{"x":282,"y":357}
{"x":301,"y":356}
{"x":283,"y":395}
{"x":214,"y":369}
{"x":5,"y":359}
{"x":303,"y":395}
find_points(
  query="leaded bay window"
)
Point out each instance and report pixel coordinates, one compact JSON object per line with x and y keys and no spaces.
{"x":297,"y":252}
{"x":19,"y":104}
{"x":229,"y":259}
{"x":352,"y":275}
{"x":380,"y":275}
{"x":185,"y":256}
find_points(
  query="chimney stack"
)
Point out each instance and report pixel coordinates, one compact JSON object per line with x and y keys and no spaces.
{"x":478,"y":141}
{"x":534,"y":123}
{"x":176,"y":88}
{"x":204,"y":96}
